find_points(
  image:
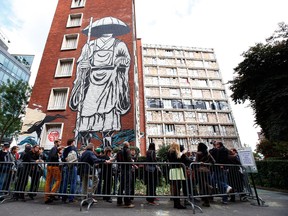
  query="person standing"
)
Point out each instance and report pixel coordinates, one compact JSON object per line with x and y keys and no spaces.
{"x":151,"y":174}
{"x":176,"y":172}
{"x":107,"y":175}
{"x":35,"y":170}
{"x":6,"y":166}
{"x":69,"y":171}
{"x":53,"y":172}
{"x":88,"y":161}
{"x":203,"y":174}
{"x":125,"y":175}
{"x":220,"y":154}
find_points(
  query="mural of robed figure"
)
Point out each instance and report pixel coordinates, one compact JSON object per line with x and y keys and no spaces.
{"x":100,"y":93}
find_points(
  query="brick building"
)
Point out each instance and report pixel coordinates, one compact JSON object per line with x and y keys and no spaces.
{"x":85,"y":82}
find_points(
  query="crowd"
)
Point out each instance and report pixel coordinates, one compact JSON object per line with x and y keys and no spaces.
{"x":65,"y":178}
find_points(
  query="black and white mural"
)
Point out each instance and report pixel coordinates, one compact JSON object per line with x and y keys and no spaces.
{"x":100,"y":93}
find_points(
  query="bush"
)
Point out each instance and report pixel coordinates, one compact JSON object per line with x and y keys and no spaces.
{"x":162,"y":153}
{"x":272,"y":174}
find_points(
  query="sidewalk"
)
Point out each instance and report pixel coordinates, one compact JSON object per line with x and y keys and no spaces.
{"x":277,"y":206}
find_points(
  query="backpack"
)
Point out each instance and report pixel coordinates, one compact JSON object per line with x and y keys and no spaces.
{"x":8,"y":157}
{"x":72,"y":156}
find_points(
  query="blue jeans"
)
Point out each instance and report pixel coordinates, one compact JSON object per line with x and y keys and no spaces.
{"x":3,"y":177}
{"x":220,"y":177}
{"x":69,"y":178}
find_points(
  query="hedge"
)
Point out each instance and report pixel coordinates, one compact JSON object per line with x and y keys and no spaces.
{"x":272,"y":174}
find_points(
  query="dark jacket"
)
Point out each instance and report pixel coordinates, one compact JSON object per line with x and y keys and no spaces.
{"x":53,"y":156}
{"x":89,"y":157}
{"x":66,"y":151}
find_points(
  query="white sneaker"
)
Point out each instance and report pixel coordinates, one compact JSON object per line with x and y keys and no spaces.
{"x":229,"y":189}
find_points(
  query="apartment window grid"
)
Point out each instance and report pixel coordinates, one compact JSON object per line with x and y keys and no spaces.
{"x":58,"y":99}
{"x":64,"y":67}
{"x":70,"y":41}
{"x":202,"y":66}
{"x":74,"y":20}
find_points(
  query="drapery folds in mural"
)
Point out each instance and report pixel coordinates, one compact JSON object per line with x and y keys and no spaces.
{"x":100,"y":93}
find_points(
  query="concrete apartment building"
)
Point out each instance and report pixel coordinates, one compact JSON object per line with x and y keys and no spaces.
{"x":184,"y":97}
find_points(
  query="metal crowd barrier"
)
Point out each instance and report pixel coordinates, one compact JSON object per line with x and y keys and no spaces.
{"x":218,"y":180}
{"x":50,"y":179}
{"x":122,"y":180}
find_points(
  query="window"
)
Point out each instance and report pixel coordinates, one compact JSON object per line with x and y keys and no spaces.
{"x":186,"y":92}
{"x":199,"y":104}
{"x":58,"y":99}
{"x":70,"y":41}
{"x":197,"y":93}
{"x":187,"y":104}
{"x":171,"y":71}
{"x":175,"y":92}
{"x":64,"y":67}
{"x":161,"y":61}
{"x":167,"y":104}
{"x":78,"y":3}
{"x":169,"y":129}
{"x":177,"y":104}
{"x":202,"y":117}
{"x":50,"y":133}
{"x":154,"y":129}
{"x":192,"y":130}
{"x":190,"y":116}
{"x":169,"y":52}
{"x":192,"y":72}
{"x":198,"y":63}
{"x":184,"y":81}
{"x":180,"y":61}
{"x":74,"y":20}
{"x":154,"y":103}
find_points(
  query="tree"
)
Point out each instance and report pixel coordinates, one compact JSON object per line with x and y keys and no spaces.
{"x":13,"y":101}
{"x":273,"y":149}
{"x":262,"y":79}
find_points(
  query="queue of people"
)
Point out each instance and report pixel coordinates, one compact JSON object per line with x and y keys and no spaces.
{"x":67,"y":179}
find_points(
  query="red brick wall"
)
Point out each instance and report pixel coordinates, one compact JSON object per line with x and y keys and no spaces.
{"x":143,"y":147}
{"x":45,"y":81}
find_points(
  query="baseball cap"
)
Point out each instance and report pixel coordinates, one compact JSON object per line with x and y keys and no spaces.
{"x":98,"y":150}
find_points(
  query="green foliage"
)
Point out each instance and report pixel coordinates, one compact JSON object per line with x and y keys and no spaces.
{"x":262,"y":79}
{"x":273,"y":149}
{"x":162,"y":152}
{"x":13,"y":101}
{"x":272,"y":174}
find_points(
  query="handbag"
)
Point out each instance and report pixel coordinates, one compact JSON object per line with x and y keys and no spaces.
{"x":176,"y":174}
{"x":203,"y":169}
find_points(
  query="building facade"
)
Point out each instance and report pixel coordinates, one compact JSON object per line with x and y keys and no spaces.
{"x":184,"y":97}
{"x":85,"y":82}
{"x":10,"y":67}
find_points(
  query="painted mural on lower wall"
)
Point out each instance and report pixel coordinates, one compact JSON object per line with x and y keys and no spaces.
{"x":42,"y":129}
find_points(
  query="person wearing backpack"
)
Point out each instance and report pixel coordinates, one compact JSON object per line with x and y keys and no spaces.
{"x":69,"y":172}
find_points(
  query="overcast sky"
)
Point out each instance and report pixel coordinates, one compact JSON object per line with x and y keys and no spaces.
{"x":228,"y":26}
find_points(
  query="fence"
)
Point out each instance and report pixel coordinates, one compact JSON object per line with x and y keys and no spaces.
{"x":122,"y":180}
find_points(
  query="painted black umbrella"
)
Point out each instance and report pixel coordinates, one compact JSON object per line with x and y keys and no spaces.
{"x":107,"y":25}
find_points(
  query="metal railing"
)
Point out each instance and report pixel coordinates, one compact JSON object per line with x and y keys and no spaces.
{"x":122,"y":180}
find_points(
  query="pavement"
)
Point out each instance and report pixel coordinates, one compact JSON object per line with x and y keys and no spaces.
{"x":276,"y":205}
